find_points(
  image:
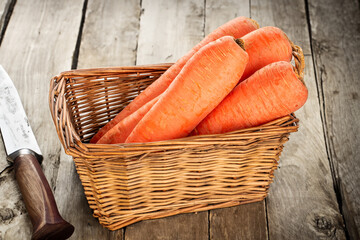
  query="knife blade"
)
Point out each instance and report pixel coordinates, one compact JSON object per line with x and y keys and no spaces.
{"x":24,"y":153}
{"x":14,"y":124}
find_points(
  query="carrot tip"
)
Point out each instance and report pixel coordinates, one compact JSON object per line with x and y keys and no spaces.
{"x":240,"y":42}
{"x":255,"y":22}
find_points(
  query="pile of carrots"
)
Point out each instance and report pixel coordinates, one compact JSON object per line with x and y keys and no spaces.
{"x":239,"y":76}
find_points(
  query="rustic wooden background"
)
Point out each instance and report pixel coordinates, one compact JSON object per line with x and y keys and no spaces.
{"x":316,"y":190}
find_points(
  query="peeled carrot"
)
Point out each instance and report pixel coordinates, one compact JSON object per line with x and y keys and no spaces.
{"x":264,"y":46}
{"x":122,"y":129}
{"x":237,"y":28}
{"x":271,"y":92}
{"x":201,"y":85}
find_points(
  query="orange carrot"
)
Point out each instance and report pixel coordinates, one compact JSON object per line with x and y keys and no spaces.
{"x":122,"y":129}
{"x":237,"y":28}
{"x":271,"y":92}
{"x":264,"y":46}
{"x":201,"y":85}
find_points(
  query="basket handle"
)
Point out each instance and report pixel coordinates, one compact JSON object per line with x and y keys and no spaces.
{"x":299,"y":61}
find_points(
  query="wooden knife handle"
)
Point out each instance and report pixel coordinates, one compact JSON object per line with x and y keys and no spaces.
{"x":39,"y":200}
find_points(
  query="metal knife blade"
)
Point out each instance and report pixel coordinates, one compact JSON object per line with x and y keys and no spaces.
{"x":14,"y":125}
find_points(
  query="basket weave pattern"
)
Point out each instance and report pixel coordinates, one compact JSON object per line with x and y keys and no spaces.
{"x":127,"y":183}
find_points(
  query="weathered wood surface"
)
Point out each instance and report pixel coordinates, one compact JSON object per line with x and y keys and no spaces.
{"x":168,"y":29}
{"x":39,"y":42}
{"x":110,"y":33}
{"x":246,"y":221}
{"x":304,"y":201}
{"x":5,"y":11}
{"x":182,"y":226}
{"x":4,"y":5}
{"x":335,"y":30}
{"x":304,"y":177}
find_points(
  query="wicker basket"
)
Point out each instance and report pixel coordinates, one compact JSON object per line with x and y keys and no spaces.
{"x":127,"y":183}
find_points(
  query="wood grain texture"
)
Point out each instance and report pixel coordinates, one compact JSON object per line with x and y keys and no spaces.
{"x":336,"y":42}
{"x":5,"y":9}
{"x":109,"y":38}
{"x":168,"y":29}
{"x":39,"y":43}
{"x":290,"y":17}
{"x":245,"y":221}
{"x":110,"y":34}
{"x":304,"y":177}
{"x":183,"y":226}
{"x":4,"y":5}
{"x":301,"y":203}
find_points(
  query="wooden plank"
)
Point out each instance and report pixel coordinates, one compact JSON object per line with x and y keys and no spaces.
{"x":245,"y":221}
{"x":39,"y":43}
{"x":109,"y":39}
{"x":168,"y":29}
{"x":183,"y":226}
{"x":301,"y":203}
{"x":4,"y":5}
{"x":110,"y":34}
{"x":5,"y":9}
{"x":336,"y":44}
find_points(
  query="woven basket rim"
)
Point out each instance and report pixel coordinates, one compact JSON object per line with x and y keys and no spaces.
{"x":102,"y":71}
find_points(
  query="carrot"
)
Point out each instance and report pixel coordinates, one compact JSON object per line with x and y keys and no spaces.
{"x":122,"y":129}
{"x":264,"y":46}
{"x":237,"y":28}
{"x":271,"y":92}
{"x":201,"y":85}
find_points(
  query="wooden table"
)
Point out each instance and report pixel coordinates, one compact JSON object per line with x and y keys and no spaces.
{"x":316,"y":190}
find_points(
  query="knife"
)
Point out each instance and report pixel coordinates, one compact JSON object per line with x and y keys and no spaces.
{"x":25,"y":155}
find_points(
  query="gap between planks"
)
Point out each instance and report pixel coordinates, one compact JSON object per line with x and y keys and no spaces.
{"x":6,"y":9}
{"x":75,"y":59}
{"x":336,"y":47}
{"x":323,"y":120}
